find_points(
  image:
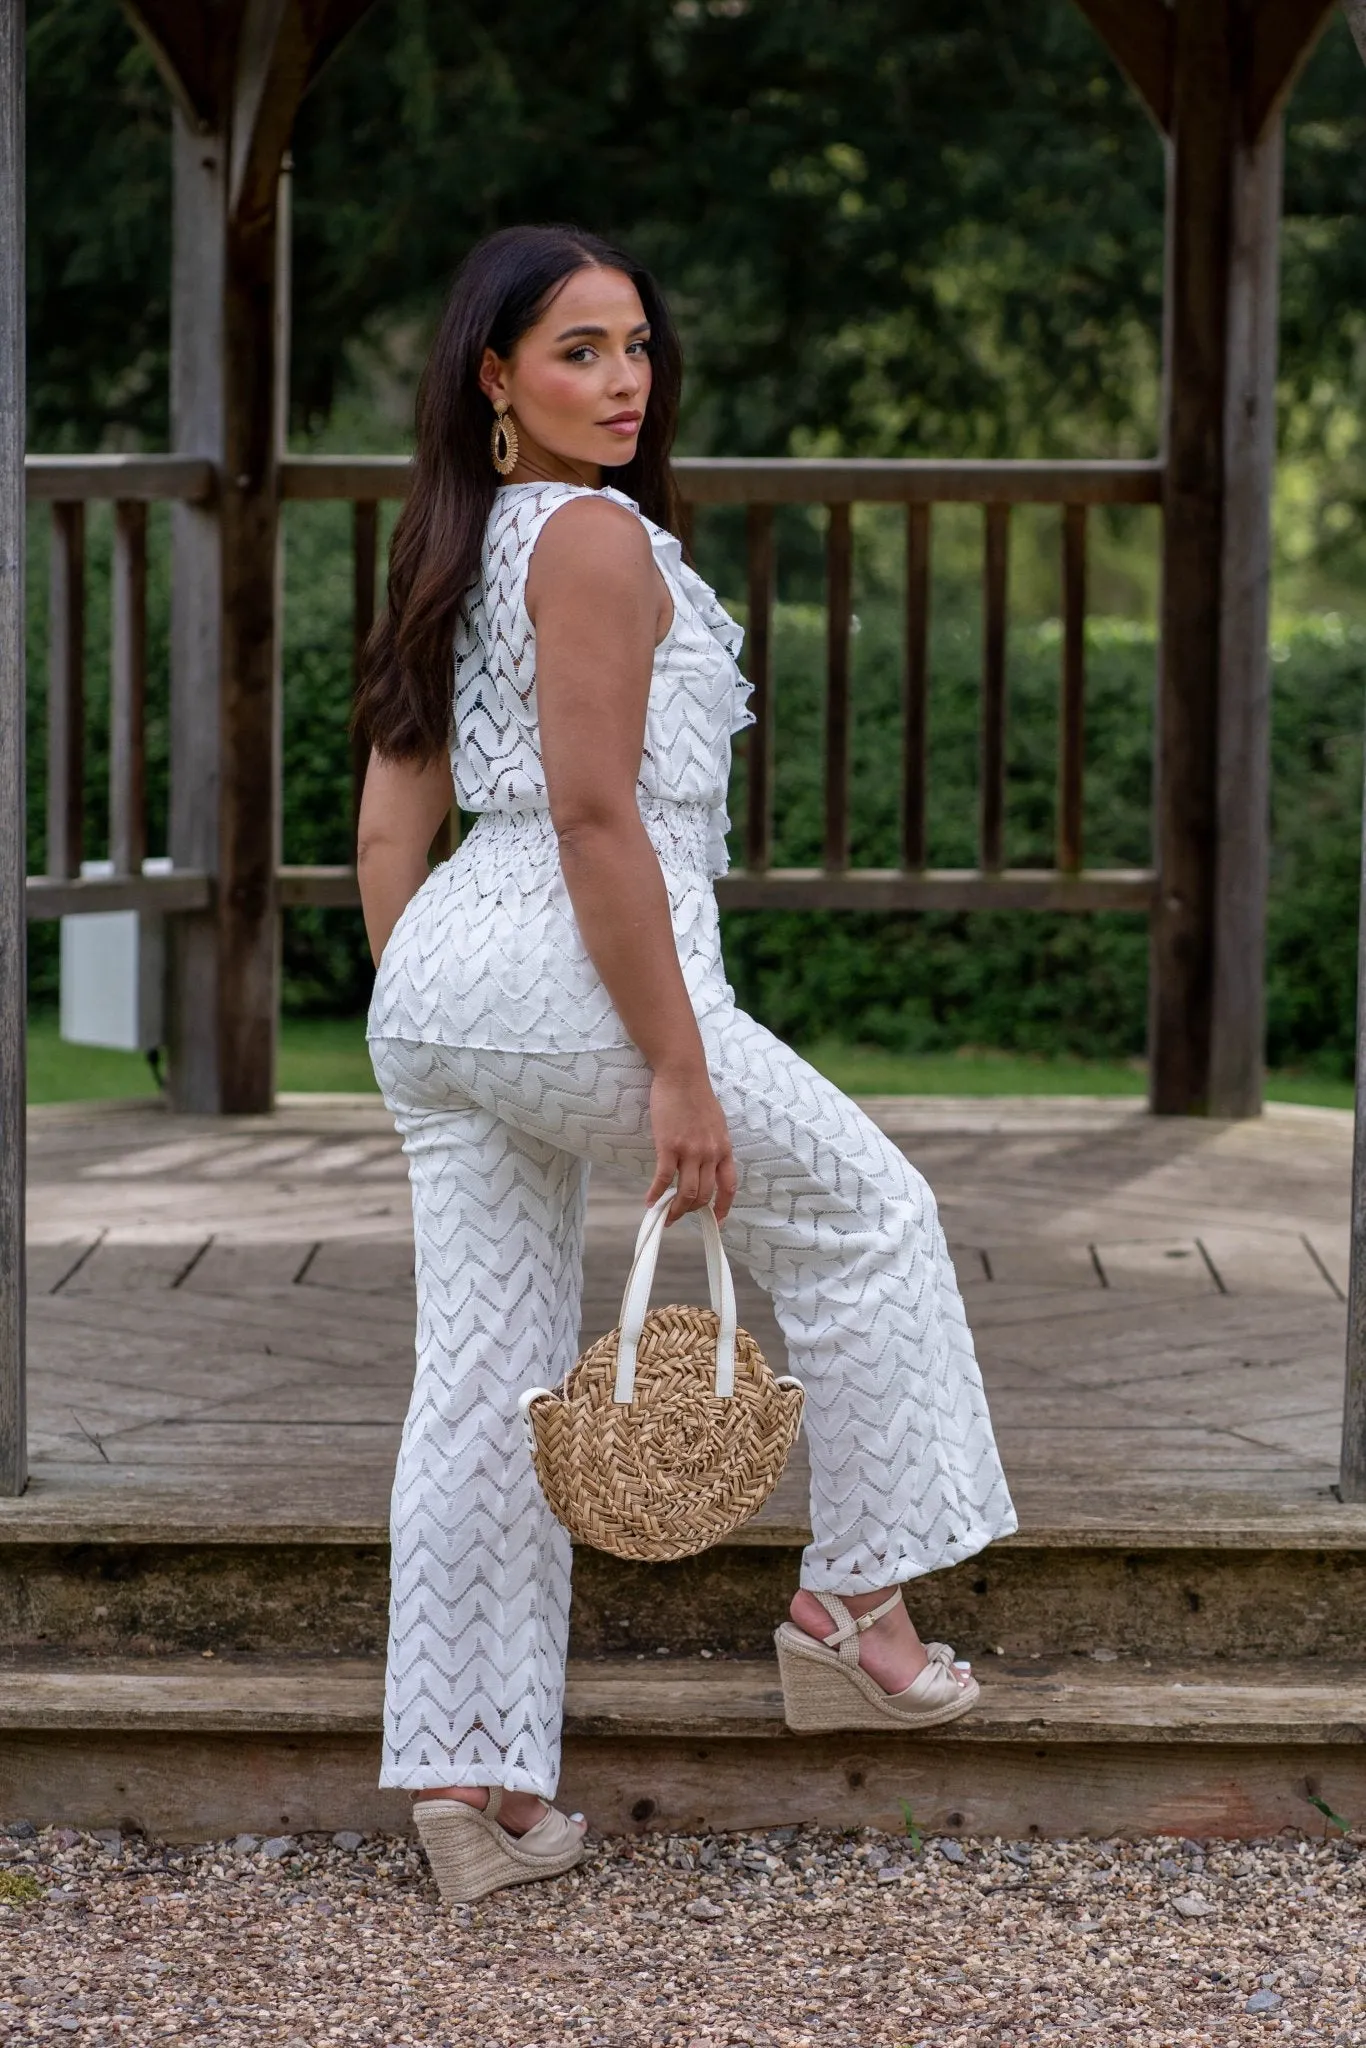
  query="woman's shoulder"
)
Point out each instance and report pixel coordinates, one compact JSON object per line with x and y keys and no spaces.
{"x":521,"y":512}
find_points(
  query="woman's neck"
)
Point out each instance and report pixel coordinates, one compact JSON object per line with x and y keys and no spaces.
{"x":537,"y":465}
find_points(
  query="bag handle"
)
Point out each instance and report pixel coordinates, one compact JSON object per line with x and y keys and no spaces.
{"x":640,"y":1280}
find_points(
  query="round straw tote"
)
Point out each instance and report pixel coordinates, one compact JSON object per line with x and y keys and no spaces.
{"x":671,"y":1430}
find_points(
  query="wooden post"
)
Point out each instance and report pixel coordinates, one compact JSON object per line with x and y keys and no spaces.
{"x":13,"y":863}
{"x":237,"y":72}
{"x":198,"y":235}
{"x":1352,"y":1481}
{"x":1212,"y":824}
{"x":1214,"y":75}
{"x":224,"y":697}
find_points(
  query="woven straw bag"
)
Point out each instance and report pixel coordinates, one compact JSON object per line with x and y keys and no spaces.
{"x":671,"y":1430}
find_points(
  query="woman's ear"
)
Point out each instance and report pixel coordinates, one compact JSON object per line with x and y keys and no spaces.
{"x":491,"y":381}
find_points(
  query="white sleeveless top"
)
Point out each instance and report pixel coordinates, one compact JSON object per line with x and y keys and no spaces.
{"x":488,"y":952}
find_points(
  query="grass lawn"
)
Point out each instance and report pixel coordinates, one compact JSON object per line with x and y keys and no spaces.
{"x":317,"y":1055}
{"x":328,"y":1055}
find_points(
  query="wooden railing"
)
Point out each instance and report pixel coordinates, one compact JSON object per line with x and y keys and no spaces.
{"x":760,"y":486}
{"x":131,"y":482}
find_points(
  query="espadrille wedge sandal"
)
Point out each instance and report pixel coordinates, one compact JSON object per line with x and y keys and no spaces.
{"x":471,"y":1855}
{"x":824,"y":1687}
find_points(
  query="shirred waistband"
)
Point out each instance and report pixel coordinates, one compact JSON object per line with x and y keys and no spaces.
{"x":682,"y":833}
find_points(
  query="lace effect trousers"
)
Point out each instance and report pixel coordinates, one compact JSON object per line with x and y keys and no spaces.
{"x":829,"y":1217}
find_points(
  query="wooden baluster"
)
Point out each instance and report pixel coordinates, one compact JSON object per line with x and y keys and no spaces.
{"x":993,"y":769}
{"x":759,"y":670}
{"x":66,"y":691}
{"x":128,"y":690}
{"x":1071,"y":724}
{"x":839,"y":555}
{"x":364,"y":559}
{"x":13,"y":856}
{"x":915,"y":688}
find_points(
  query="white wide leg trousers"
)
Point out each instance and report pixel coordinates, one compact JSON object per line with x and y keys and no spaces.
{"x":830,"y":1219}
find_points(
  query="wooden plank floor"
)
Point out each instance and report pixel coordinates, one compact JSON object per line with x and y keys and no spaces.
{"x":221,"y":1323}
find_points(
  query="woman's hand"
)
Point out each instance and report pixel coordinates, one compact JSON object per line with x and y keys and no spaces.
{"x":692,"y":1143}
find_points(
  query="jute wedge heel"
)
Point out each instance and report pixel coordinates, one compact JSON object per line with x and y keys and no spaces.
{"x":824,"y":1688}
{"x":471,"y":1855}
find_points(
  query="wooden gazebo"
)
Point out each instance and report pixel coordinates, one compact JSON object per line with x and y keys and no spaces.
{"x":1213,"y":75}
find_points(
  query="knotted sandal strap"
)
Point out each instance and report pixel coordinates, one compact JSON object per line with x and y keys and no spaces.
{"x":937,"y":1684}
{"x":849,"y":1627}
{"x":552,"y":1835}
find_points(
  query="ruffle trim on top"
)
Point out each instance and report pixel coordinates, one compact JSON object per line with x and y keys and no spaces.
{"x":729,"y":636}
{"x":728,"y":633}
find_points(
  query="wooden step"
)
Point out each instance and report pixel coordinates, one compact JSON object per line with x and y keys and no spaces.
{"x":1204,"y":1575}
{"x":1064,"y":1701}
{"x":190,"y":1748}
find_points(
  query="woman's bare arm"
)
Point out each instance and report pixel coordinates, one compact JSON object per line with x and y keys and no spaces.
{"x":400,"y":809}
{"x":599,"y":606}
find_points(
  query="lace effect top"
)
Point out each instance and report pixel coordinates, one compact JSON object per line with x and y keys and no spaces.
{"x":488,"y":952}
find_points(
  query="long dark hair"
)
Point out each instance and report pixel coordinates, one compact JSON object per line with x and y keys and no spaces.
{"x":403,"y":699}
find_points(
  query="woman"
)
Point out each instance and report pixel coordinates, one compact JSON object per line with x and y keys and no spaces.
{"x":554,"y":995}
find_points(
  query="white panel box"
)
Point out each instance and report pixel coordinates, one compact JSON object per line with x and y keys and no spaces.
{"x":112,"y":972}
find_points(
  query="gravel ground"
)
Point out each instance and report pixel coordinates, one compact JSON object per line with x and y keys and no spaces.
{"x":797,"y":1936}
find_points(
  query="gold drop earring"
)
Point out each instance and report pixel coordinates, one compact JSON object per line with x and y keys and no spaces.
{"x":504,"y":439}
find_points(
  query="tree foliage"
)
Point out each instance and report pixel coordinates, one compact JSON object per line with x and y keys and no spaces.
{"x":888,"y":225}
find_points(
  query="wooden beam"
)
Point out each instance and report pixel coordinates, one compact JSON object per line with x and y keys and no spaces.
{"x":274,"y":52}
{"x":121,"y":479}
{"x":1131,"y":889}
{"x":1284,"y":33}
{"x":797,"y":480}
{"x":1139,"y":34}
{"x":13,"y":941}
{"x":1208,"y":936}
{"x":334,"y":24}
{"x":166,"y":895}
{"x":181,"y":35}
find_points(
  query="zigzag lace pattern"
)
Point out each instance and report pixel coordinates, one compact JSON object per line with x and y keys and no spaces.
{"x":488,"y":952}
{"x":830,"y":1218}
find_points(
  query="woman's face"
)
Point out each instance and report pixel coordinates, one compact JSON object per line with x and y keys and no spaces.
{"x":578,"y":381}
